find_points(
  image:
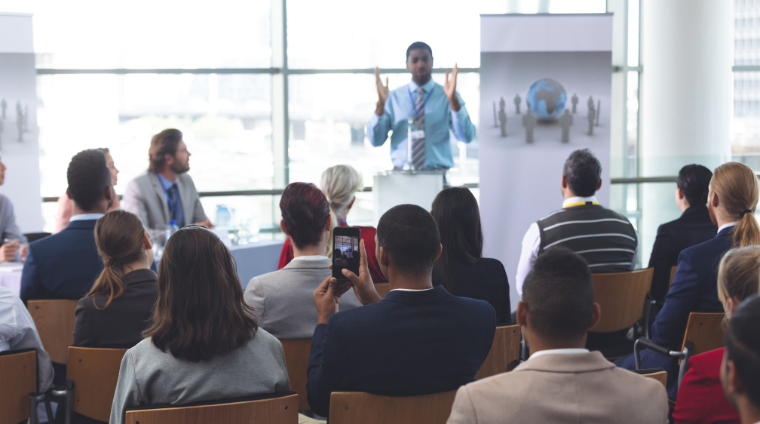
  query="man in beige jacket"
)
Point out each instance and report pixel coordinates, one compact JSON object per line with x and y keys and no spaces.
{"x":561,"y":382}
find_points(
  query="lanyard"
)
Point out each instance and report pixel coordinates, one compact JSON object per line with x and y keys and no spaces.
{"x":422,"y":106}
{"x":579,"y":204}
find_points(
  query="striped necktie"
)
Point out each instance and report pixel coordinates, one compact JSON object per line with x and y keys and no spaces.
{"x":418,"y":148}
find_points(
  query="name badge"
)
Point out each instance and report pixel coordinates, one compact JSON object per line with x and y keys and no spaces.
{"x":417,"y":134}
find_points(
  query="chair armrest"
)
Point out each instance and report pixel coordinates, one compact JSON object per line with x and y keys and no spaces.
{"x":644,"y":343}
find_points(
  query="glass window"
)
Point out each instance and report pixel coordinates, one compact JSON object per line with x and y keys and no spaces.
{"x":149,"y":34}
{"x":745,"y":126}
{"x":226,"y":121}
{"x":328,"y":119}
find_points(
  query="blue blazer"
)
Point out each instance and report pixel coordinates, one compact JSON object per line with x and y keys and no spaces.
{"x":409,"y":343}
{"x":694,"y":289}
{"x":62,"y":266}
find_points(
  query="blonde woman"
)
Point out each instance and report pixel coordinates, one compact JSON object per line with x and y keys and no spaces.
{"x":339,"y":184}
{"x":700,"y":397}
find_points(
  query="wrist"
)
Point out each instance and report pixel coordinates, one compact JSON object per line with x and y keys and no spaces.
{"x":380,"y":108}
{"x":454,"y":103}
{"x":323,"y":318}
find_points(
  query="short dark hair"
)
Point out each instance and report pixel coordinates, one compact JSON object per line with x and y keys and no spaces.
{"x":418,"y":45}
{"x":456,"y":212}
{"x":304,"y":211}
{"x":559,"y":294}
{"x":88,"y":177}
{"x":694,"y":181}
{"x":410,"y":236}
{"x":743,"y":346}
{"x":583,"y":171}
{"x":200,"y":312}
{"x":164,"y":143}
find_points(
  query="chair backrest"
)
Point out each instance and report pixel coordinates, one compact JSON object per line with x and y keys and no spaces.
{"x":659,"y":374}
{"x":383,"y":288}
{"x":18,"y":373}
{"x":672,"y":276}
{"x":359,"y":407}
{"x":54,"y":320}
{"x":95,"y":373}
{"x":504,"y":354}
{"x":297,"y":360}
{"x":277,"y":410}
{"x":32,"y":237}
{"x":705,"y":330}
{"x":621,"y":297}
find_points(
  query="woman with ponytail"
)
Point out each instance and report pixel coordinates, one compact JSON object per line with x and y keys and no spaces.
{"x":118,"y":308}
{"x":731,"y":202}
{"x":339,"y":184}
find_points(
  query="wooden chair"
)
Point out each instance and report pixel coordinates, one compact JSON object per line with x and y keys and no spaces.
{"x":623,"y":298}
{"x":672,"y":276}
{"x":383,"y":288}
{"x":504,"y":354}
{"x":94,"y":373}
{"x":359,"y":407}
{"x":18,"y":373}
{"x":278,"y":409}
{"x":297,"y":360}
{"x":657,"y":374}
{"x":704,"y":332}
{"x":54,"y":320}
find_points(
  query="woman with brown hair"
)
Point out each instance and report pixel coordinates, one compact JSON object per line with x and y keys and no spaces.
{"x":118,"y":307}
{"x":700,"y":397}
{"x":204,"y":343}
{"x":731,"y":202}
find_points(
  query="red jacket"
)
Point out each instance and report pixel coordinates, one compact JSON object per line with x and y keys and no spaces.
{"x":368,"y":235}
{"x":700,"y":397}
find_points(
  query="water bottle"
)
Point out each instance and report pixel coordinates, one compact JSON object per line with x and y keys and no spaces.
{"x":223,"y":216}
{"x":171,"y":229}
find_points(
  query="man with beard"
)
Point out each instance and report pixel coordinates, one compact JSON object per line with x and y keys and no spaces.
{"x":429,"y":108}
{"x":731,"y":202}
{"x":165,"y":192}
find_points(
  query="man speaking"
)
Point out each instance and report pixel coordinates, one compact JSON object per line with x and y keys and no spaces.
{"x":431,"y":110}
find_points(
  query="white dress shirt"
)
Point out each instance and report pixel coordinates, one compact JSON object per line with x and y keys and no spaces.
{"x":531,"y":244}
{"x":17,"y":331}
{"x":724,"y":226}
{"x":557,"y":352}
{"x":86,"y":216}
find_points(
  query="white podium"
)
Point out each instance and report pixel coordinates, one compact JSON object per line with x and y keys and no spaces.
{"x":393,"y":188}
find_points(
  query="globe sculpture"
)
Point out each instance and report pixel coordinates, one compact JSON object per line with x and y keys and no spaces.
{"x":546,"y":98}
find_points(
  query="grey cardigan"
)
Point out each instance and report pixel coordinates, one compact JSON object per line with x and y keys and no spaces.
{"x":284,"y":299}
{"x":146,"y":198}
{"x":149,"y":376}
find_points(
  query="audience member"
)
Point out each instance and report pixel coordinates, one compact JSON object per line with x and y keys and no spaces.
{"x":692,"y":228}
{"x":732,"y":201}
{"x":700,"y":396}
{"x":461,"y":269}
{"x":65,"y":265}
{"x":165,"y":192}
{"x":562,"y":381}
{"x":66,"y":205}
{"x":17,"y":332}
{"x":418,"y":339}
{"x":340,"y":183}
{"x":604,"y":238}
{"x":204,"y":343}
{"x":9,"y":230}
{"x":740,"y":371}
{"x":283,"y":300}
{"x":119,"y":306}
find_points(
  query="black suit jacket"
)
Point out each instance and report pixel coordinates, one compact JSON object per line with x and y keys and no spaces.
{"x":121,"y":324}
{"x":484,"y":280}
{"x":62,"y":266}
{"x":409,"y":343}
{"x":692,"y":228}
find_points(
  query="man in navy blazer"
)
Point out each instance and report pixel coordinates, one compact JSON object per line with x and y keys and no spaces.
{"x":416,"y":340}
{"x":731,"y":200}
{"x":66,"y":264}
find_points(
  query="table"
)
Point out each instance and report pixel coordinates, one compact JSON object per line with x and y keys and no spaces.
{"x":256,"y":259}
{"x":10,"y":275}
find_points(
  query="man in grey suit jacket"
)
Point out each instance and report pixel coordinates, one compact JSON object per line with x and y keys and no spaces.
{"x":561,"y":381}
{"x":165,"y":192}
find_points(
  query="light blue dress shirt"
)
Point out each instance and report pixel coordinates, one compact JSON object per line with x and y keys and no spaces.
{"x":439,"y":119}
{"x":180,"y":214}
